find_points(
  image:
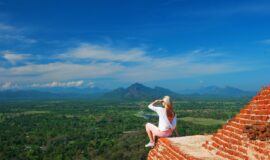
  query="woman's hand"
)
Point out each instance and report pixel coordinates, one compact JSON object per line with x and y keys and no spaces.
{"x":158,"y":100}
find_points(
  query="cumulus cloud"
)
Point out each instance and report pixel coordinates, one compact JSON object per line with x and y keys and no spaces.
{"x":96,"y":52}
{"x":59,"y":84}
{"x":106,"y":63}
{"x":58,"y":71}
{"x":13,"y":57}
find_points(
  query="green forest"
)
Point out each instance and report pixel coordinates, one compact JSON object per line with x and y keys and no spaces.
{"x":81,"y":129}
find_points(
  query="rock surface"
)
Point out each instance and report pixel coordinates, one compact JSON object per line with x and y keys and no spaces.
{"x":189,"y":147}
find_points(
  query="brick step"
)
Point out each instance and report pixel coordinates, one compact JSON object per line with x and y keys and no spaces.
{"x":264,"y":117}
{"x":248,"y":121}
{"x":257,"y":107}
{"x":261,"y":96}
{"x":226,"y":142}
{"x":184,"y":148}
{"x":162,"y":154}
{"x":174,"y":151}
{"x":222,"y":152}
{"x":231,"y":141}
{"x":260,"y":147}
{"x":158,"y":153}
{"x":236,"y":123}
{"x":234,"y":135}
{"x":259,"y":102}
{"x":221,"y":142}
{"x":233,"y":128}
{"x":255,"y":111}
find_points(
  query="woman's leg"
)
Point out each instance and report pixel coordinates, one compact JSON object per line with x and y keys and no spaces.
{"x":152,"y":131}
{"x":149,"y":133}
{"x":155,"y":132}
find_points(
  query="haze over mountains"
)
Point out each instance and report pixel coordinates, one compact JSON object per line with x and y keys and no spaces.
{"x":214,"y":90}
{"x":135,"y":91}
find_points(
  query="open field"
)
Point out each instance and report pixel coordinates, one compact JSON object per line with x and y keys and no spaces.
{"x":96,"y":130}
{"x":203,"y":121}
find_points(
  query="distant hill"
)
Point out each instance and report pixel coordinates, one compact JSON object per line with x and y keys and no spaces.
{"x":138,"y":91}
{"x":218,"y":91}
{"x":135,"y":91}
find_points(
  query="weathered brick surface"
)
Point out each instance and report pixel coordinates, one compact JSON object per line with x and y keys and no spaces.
{"x":244,"y":137}
{"x":182,"y":148}
{"x":247,"y":135}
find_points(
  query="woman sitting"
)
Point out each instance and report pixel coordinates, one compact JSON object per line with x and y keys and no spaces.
{"x":167,"y":121}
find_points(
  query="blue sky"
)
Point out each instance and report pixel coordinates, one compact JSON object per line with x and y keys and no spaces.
{"x":178,"y":44}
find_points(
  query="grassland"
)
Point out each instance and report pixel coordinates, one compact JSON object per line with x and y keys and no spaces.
{"x":203,"y":121}
{"x":96,"y":130}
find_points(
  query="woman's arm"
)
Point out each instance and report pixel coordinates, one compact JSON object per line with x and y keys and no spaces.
{"x":152,"y":107}
{"x":156,"y":101}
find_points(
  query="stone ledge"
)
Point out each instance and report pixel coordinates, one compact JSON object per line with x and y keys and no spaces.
{"x":183,"y":148}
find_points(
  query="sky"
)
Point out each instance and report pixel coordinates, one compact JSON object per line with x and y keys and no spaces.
{"x":177,"y":44}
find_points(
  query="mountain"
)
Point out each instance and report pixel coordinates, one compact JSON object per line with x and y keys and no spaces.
{"x":135,"y":91}
{"x":218,"y":91}
{"x":138,"y":91}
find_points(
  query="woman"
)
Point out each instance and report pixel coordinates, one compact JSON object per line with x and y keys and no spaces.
{"x":167,"y":121}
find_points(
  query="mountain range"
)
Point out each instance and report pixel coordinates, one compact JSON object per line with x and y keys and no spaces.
{"x":139,"y":91}
{"x":135,"y":91}
{"x":219,"y":91}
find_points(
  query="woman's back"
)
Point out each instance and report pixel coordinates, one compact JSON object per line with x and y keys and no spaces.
{"x":164,"y":122}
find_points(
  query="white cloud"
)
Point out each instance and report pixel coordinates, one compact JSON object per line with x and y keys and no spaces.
{"x":59,"y":84}
{"x":5,"y":27}
{"x":247,"y":8}
{"x":91,"y":84}
{"x":20,"y":38}
{"x":106,"y":63}
{"x":13,"y":34}
{"x":58,"y":71}
{"x":160,"y":71}
{"x":266,"y":41}
{"x":14,"y":57}
{"x":96,"y":52}
{"x":8,"y":85}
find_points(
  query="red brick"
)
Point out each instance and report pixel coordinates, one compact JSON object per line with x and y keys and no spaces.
{"x":242,"y":149}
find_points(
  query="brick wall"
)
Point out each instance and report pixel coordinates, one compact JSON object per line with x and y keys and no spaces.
{"x":236,"y":139}
{"x":163,"y":150}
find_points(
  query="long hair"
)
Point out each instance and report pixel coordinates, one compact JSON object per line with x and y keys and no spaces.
{"x":169,"y":107}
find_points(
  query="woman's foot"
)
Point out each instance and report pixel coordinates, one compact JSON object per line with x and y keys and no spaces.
{"x":150,"y":144}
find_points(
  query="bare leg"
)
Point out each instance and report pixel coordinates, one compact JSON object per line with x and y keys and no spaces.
{"x":150,"y":134}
